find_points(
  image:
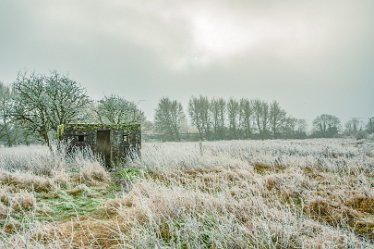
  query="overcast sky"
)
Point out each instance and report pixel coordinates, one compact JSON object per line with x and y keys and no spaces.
{"x":312,"y":56}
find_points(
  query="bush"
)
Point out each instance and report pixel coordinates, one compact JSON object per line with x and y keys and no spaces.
{"x":361,"y":135}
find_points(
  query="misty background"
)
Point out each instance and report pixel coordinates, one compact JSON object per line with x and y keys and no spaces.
{"x":312,"y":56}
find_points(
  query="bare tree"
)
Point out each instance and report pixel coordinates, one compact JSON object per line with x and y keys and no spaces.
{"x":198,"y":109}
{"x":31,"y":105}
{"x":261,"y":114}
{"x":41,"y":103}
{"x":169,"y":118}
{"x":68,"y":100}
{"x":218,"y":111}
{"x":116,"y":110}
{"x":289,"y":127}
{"x":5,"y":122}
{"x":233,"y":117}
{"x":326,"y":125}
{"x":245,"y":117}
{"x":10,"y":130}
{"x":301,"y":128}
{"x":352,"y":126}
{"x":370,"y":125}
{"x":277,"y":118}
{"x":293,"y":128}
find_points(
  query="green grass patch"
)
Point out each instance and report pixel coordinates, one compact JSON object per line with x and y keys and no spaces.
{"x":182,"y":233}
{"x":66,"y":206}
{"x":130,"y":173}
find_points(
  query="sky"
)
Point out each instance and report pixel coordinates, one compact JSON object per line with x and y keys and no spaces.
{"x":313,"y":57}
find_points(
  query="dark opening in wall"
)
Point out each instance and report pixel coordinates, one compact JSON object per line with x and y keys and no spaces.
{"x":81,"y":138}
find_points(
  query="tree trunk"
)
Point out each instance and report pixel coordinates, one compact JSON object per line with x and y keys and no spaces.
{"x":47,"y":140}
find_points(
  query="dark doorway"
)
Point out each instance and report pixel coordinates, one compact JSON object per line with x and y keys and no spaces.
{"x":103,"y":147}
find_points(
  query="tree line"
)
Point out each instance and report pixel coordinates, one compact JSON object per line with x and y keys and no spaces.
{"x":33,"y":106}
{"x":217,"y":119}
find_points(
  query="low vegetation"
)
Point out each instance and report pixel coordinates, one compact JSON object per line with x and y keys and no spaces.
{"x":233,"y":194}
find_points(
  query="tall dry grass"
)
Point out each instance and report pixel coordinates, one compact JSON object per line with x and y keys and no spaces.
{"x":232,"y":194}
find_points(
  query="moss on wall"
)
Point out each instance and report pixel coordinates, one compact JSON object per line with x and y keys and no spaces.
{"x":85,"y":126}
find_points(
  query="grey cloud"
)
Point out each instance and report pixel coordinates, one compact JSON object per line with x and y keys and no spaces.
{"x":312,"y":56}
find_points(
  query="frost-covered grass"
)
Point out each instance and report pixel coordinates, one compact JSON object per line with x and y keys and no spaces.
{"x":230,"y":194}
{"x":329,"y":155}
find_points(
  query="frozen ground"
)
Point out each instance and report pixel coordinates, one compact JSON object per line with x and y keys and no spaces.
{"x":227,"y":194}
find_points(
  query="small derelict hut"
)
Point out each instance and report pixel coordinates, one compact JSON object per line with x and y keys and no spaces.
{"x":113,"y":143}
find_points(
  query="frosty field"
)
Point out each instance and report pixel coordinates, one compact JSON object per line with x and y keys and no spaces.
{"x":229,"y":194}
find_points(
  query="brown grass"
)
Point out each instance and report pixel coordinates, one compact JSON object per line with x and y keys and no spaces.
{"x":82,"y":233}
{"x":364,"y":227}
{"x":23,"y":201}
{"x":4,"y":211}
{"x":362,"y":204}
{"x":263,"y":168}
{"x":115,"y":205}
{"x":331,"y":213}
{"x":11,"y":226}
{"x":79,"y":190}
{"x":272,"y":181}
{"x":26,"y":181}
{"x":93,"y":175}
{"x":339,"y":215}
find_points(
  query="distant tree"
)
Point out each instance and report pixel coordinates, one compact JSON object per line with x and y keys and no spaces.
{"x":301,"y":128}
{"x":198,"y":109}
{"x":169,"y":118}
{"x":277,"y":118}
{"x":352,"y":126}
{"x":326,"y":125}
{"x":218,"y":112}
{"x":11,"y":132}
{"x":370,"y":125}
{"x":5,"y":121}
{"x":148,"y":127}
{"x":294,"y":128}
{"x":233,"y":117}
{"x":41,"y":103}
{"x":289,"y":127}
{"x":117,"y":110}
{"x":261,"y":115}
{"x":245,"y":117}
